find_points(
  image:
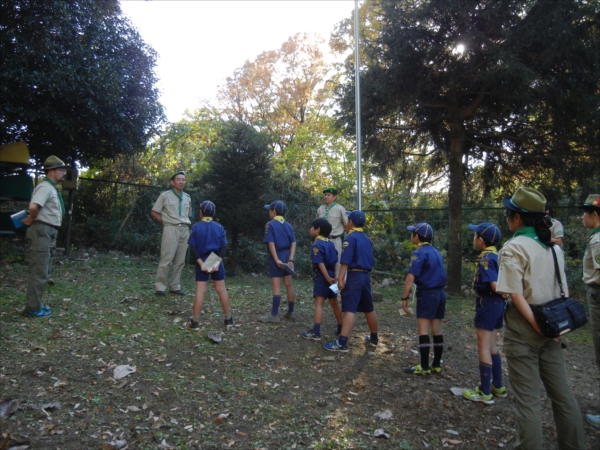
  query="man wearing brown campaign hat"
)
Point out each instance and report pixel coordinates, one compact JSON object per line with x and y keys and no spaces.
{"x":336,"y":216}
{"x":591,"y":277}
{"x":173,"y":210}
{"x":46,"y":212}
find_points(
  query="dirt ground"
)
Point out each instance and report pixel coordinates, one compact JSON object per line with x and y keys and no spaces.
{"x":261,"y":387}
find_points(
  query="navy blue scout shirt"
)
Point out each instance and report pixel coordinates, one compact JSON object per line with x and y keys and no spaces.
{"x":357,"y":250}
{"x":207,"y":236}
{"x":486,"y":272}
{"x":427,"y":265}
{"x":323,"y":251}
{"x":280,"y":233}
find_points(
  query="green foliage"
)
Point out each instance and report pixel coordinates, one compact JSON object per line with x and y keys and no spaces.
{"x":76,"y":80}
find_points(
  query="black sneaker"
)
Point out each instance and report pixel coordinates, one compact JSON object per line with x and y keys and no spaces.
{"x":159,"y":293}
{"x":192,"y":325}
{"x":228,"y":322}
{"x":370,"y":342}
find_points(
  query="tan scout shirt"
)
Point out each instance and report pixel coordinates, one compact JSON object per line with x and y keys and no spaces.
{"x":167,"y":206}
{"x":526,"y":268}
{"x":557,"y":229}
{"x":46,"y":196}
{"x":591,"y":261}
{"x":336,"y":217}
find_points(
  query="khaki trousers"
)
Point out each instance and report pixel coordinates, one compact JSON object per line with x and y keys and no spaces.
{"x":532,"y":358}
{"x":172,"y":257}
{"x":338,"y":246}
{"x":593,"y":299}
{"x":41,"y":244}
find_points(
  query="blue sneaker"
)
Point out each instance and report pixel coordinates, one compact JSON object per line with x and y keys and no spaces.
{"x":335,"y":346}
{"x":46,"y":308}
{"x":310,"y":335}
{"x":40,"y":313}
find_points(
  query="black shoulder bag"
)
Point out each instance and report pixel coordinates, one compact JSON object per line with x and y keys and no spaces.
{"x":559,"y":316}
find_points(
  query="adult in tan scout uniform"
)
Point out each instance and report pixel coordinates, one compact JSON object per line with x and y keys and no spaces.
{"x":591,"y":277}
{"x":527,"y":277}
{"x":336,"y":216}
{"x":46,"y":212}
{"x":173,"y":210}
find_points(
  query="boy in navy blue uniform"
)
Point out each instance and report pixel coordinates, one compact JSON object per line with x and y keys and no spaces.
{"x":489,"y":308}
{"x":281,"y":247}
{"x":208,"y":237}
{"x":324,"y":258}
{"x":354,"y":282}
{"x":426,"y":271}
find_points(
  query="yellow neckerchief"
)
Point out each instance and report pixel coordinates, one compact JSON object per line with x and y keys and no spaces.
{"x":359,"y":229}
{"x":321,"y":238}
{"x":490,"y":249}
{"x":422,"y":244}
{"x":280,"y":219}
{"x":207,"y":219}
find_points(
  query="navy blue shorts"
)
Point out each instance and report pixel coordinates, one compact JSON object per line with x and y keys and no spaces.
{"x":488,"y":312}
{"x":274,"y":270}
{"x":431,"y":304}
{"x":321,"y":287}
{"x":356,"y":295}
{"x":216,"y":276}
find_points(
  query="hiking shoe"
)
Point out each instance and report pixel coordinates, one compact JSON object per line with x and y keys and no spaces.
{"x":477,"y":396}
{"x":417,"y":370}
{"x":593,"y":420}
{"x":228,"y":322}
{"x":498,"y":392}
{"x":290,"y":316}
{"x":268,"y":318}
{"x":335,"y":346}
{"x":192,"y":325}
{"x":370,"y":342}
{"x":159,"y":293}
{"x":436,"y":370}
{"x":177,"y":292}
{"x":40,"y":313}
{"x":310,"y":335}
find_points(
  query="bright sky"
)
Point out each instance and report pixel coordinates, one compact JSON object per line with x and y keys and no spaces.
{"x":200,"y":43}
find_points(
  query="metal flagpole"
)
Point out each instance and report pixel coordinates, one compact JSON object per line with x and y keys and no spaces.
{"x":357,"y":107}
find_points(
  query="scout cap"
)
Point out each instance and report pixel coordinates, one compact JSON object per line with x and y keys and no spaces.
{"x":331,"y":190}
{"x":52,"y":162}
{"x":278,"y":206}
{"x":488,"y":231}
{"x":181,"y":172}
{"x":422,"y":229}
{"x":208,"y":208}
{"x":357,"y":217}
{"x":526,"y":200}
{"x":591,"y":203}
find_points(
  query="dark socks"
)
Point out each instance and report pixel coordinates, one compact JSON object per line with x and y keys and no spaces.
{"x":317,"y":328}
{"x":291,"y":307}
{"x":438,"y":348}
{"x":275,"y":307}
{"x":497,"y":370}
{"x":343,"y":340}
{"x":485,"y":375}
{"x":339,"y":328}
{"x":374,"y":337}
{"x":424,"y":345}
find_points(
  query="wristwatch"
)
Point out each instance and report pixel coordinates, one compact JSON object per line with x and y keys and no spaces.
{"x":404,"y":299}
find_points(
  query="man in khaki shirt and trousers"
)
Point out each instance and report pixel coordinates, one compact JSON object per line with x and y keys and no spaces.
{"x":591,"y":277}
{"x":336,"y":215}
{"x":46,"y":212}
{"x":173,"y":210}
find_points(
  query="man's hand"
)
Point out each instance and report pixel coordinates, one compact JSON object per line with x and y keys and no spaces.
{"x":27,"y":220}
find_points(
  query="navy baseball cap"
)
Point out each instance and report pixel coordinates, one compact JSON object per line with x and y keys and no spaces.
{"x":208,"y":208}
{"x":357,"y":217}
{"x":488,"y":231}
{"x":422,"y":229}
{"x":278,"y":206}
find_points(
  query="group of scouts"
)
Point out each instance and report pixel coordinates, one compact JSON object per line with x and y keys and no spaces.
{"x":507,"y":284}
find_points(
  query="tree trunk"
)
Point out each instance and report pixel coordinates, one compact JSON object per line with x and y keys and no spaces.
{"x":234,"y":247}
{"x":455,"y":198}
